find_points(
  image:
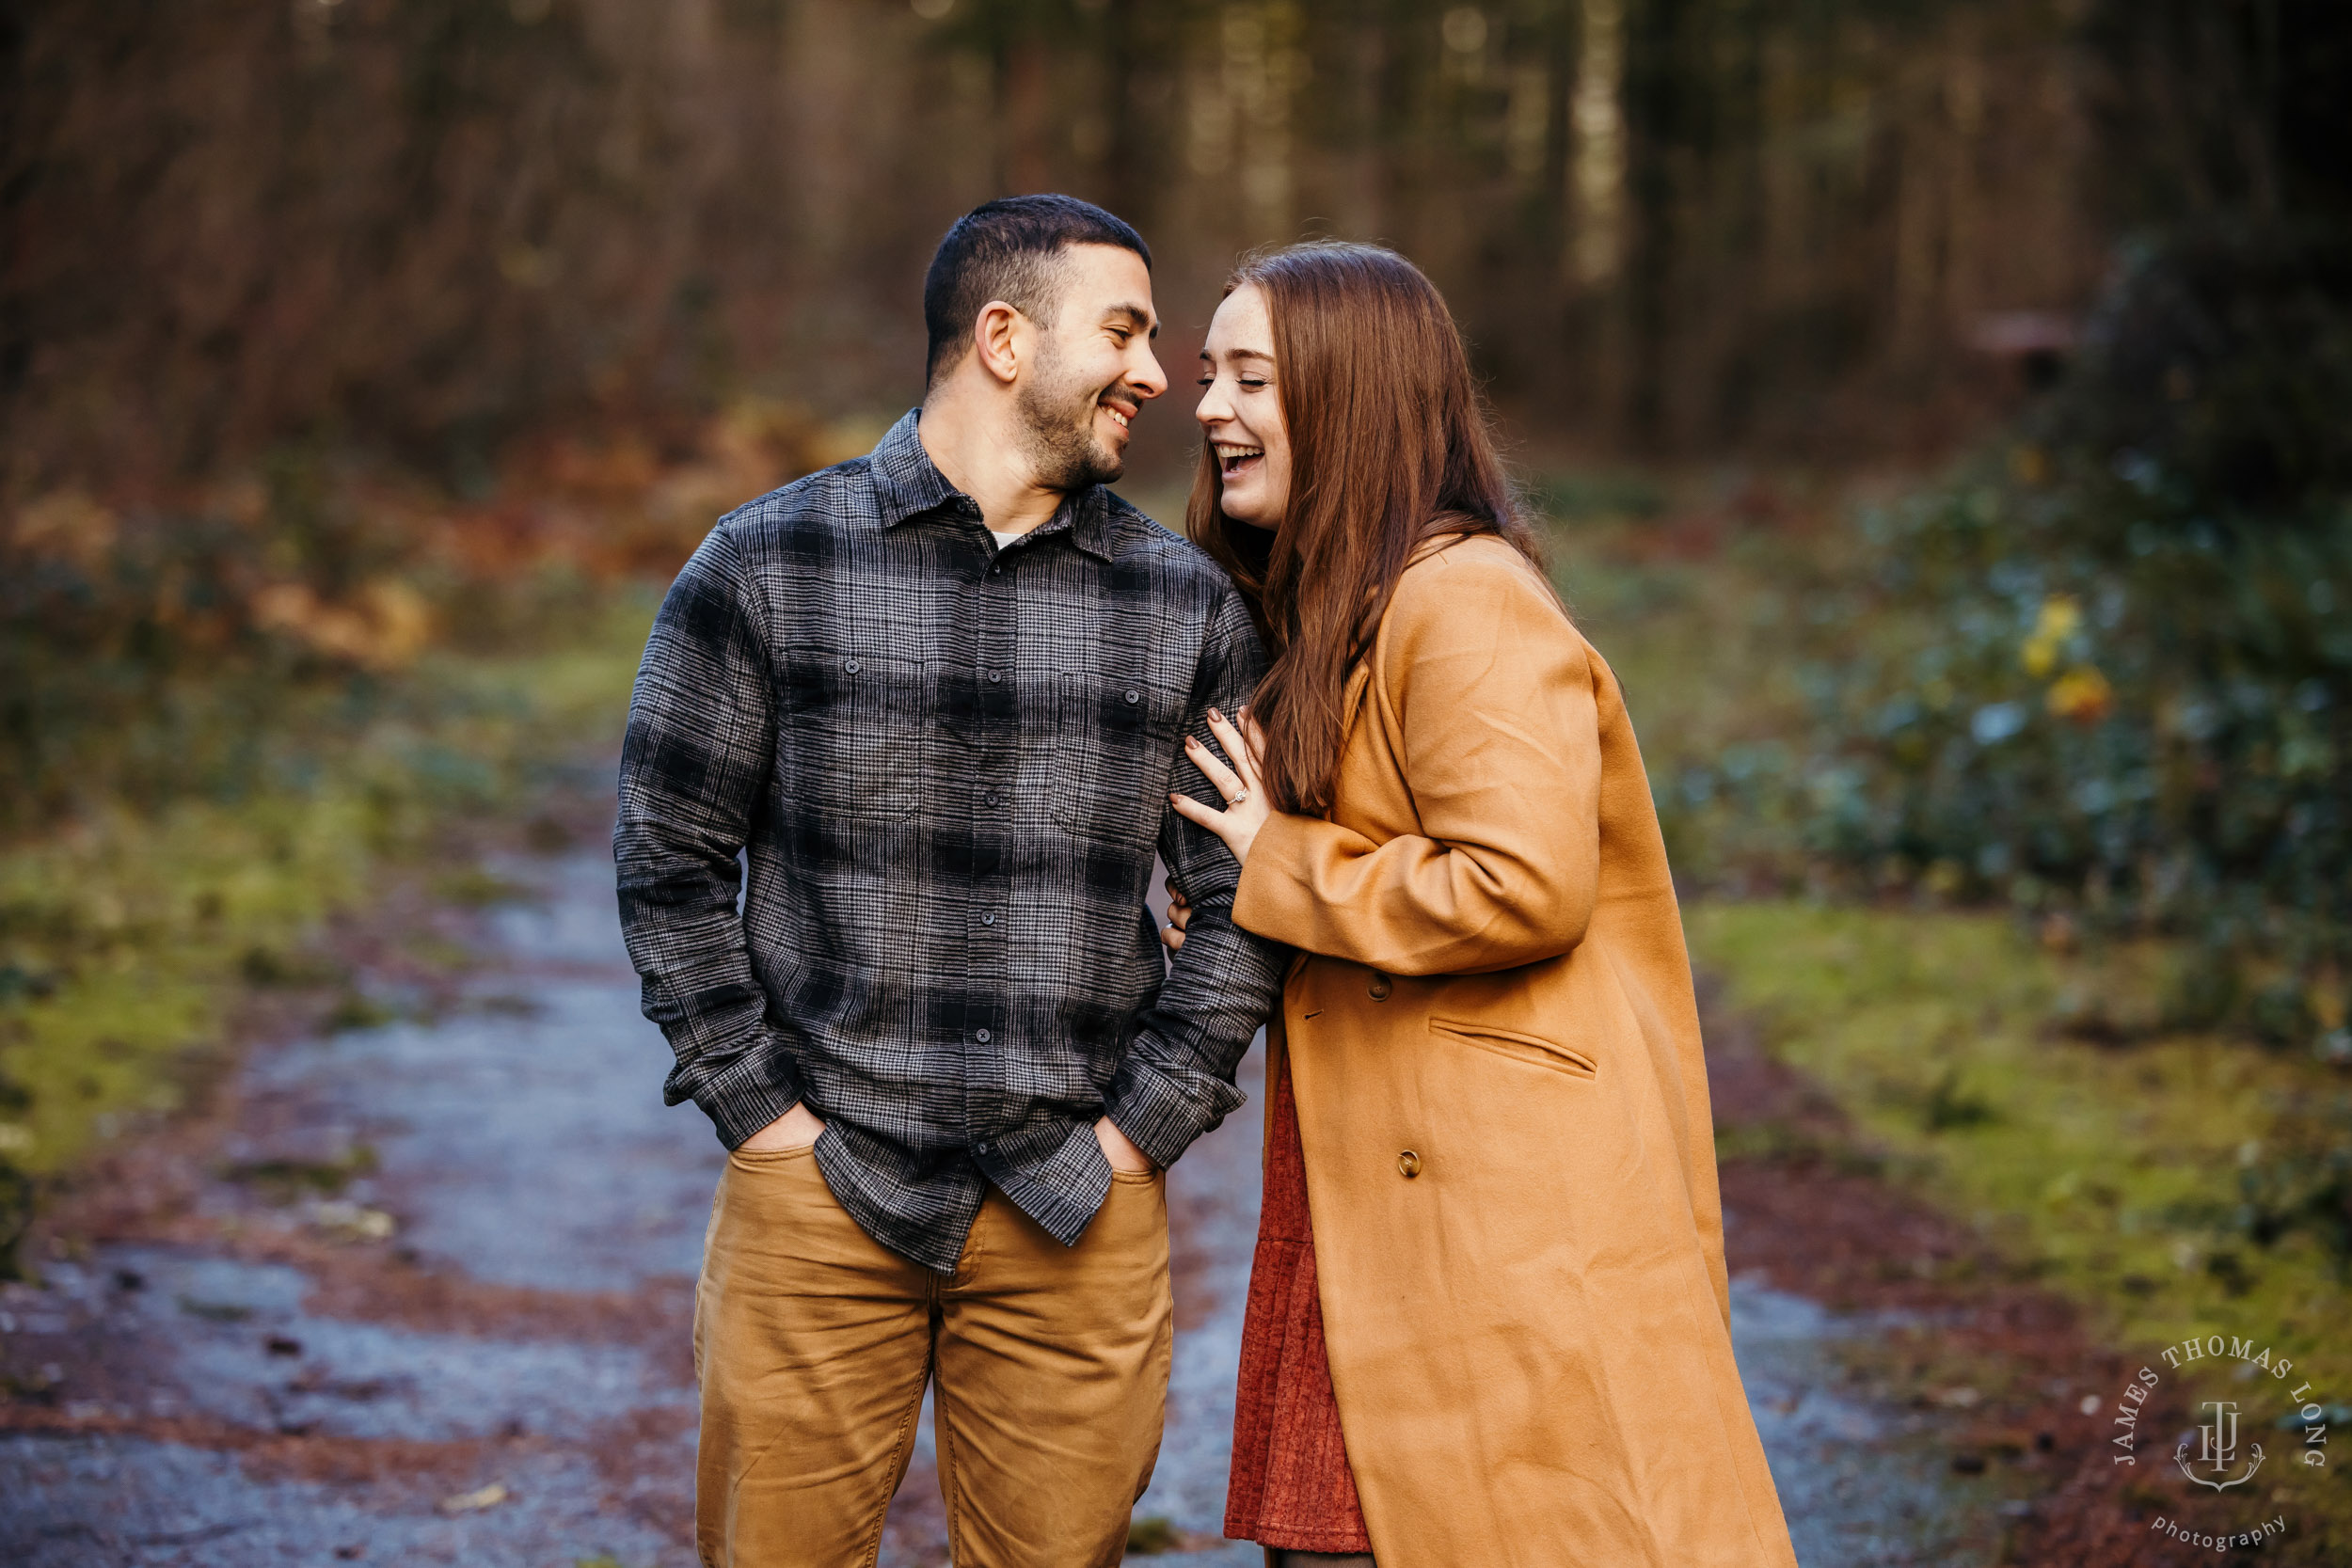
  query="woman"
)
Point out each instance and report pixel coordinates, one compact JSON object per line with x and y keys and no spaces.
{"x":1487,"y":1320}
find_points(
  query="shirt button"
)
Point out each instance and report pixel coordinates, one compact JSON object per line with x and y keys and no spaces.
{"x":1134,"y":696}
{"x":994,"y":799}
{"x":1408,"y":1165}
{"x":983,"y":1147}
{"x":988,"y":919}
{"x":995,"y":676}
{"x":1380,"y":988}
{"x":852,"y":666}
{"x":982,"y":1036}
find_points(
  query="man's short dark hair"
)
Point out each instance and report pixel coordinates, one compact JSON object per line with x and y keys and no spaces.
{"x":1005,"y":251}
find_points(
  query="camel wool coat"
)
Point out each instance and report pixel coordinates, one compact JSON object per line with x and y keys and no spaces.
{"x":1495,"y":1054}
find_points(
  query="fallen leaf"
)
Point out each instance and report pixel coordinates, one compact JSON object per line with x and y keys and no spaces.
{"x":353,"y":1222}
{"x":471,"y":1502}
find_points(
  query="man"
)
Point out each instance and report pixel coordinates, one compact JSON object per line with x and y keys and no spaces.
{"x":936,"y":698}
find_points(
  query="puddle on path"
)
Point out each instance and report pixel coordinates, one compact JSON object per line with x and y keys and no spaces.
{"x":1861,"y":1487}
{"x":234,"y":1407}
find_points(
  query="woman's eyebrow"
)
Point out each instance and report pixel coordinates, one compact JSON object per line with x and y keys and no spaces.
{"x":1239,"y":354}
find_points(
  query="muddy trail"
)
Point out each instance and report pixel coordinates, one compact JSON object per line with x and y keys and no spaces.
{"x":420,"y":1293}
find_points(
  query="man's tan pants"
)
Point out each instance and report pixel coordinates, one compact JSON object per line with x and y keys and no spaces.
{"x":813,"y":1342}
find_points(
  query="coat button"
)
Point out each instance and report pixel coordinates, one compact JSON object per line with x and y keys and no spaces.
{"x":982,"y":1036}
{"x":1380,"y":988}
{"x":852,"y":666}
{"x":1135,"y":696}
{"x":1408,"y":1165}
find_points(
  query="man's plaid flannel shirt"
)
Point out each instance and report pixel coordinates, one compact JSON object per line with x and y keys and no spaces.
{"x":945,"y":768}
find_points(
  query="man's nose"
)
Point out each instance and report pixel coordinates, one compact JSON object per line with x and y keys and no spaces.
{"x":1148,"y":379}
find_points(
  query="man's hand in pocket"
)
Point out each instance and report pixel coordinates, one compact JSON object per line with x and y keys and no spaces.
{"x":797,"y":1128}
{"x":1122,"y":1154}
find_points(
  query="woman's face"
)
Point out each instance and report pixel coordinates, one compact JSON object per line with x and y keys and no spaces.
{"x":1241,"y":413}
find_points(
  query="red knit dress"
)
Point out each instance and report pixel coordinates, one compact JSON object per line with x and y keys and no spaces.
{"x":1291,"y":1485}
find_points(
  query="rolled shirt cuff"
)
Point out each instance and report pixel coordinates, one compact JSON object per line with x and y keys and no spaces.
{"x":748,"y":1093}
{"x":1162,"y":1112}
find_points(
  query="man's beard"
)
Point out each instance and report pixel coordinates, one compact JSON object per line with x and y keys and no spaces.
{"x":1058,"y":416}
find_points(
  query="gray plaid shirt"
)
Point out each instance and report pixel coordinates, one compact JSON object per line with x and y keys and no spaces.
{"x":946,"y":767}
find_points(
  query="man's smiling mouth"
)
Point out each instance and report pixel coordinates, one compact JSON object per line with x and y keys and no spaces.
{"x":1120,"y":416}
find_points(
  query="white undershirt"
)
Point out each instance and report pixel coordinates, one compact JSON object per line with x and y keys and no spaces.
{"x":1003,"y":539}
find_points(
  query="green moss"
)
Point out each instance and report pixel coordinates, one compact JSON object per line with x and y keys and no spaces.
{"x":2121,"y":1177}
{"x":1148,"y":1535}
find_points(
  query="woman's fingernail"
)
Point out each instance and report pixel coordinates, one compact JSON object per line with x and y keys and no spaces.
{"x":1218,"y":717}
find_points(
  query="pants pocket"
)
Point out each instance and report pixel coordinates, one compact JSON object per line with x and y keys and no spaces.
{"x":768,"y":1159}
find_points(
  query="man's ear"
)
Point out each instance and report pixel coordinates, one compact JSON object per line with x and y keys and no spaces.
{"x":999,"y":338}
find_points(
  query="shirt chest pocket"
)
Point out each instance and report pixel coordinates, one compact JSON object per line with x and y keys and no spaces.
{"x":850,"y":732}
{"x":1118,"y":753}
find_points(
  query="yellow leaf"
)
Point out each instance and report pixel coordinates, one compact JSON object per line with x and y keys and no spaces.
{"x":2082,"y":694}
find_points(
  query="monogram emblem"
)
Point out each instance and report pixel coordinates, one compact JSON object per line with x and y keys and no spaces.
{"x":2216,"y":1450}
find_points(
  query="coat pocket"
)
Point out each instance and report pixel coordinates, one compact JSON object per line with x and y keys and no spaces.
{"x":1534,"y":1050}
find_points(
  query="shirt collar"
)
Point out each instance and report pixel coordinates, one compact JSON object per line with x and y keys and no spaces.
{"x":907,"y":484}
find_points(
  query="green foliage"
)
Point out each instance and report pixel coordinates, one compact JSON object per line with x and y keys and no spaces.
{"x":221,"y":647}
{"x":2108,"y":677}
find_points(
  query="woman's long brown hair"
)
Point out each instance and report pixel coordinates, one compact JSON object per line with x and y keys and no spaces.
{"x":1389,"y":446}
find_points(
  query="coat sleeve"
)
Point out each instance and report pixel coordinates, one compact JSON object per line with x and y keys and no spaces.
{"x":1487,"y":694}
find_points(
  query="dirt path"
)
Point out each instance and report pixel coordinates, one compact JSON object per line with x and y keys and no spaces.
{"x":470,"y":1344}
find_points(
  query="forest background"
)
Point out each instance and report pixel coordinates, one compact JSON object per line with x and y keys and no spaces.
{"x":1939,"y":407}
